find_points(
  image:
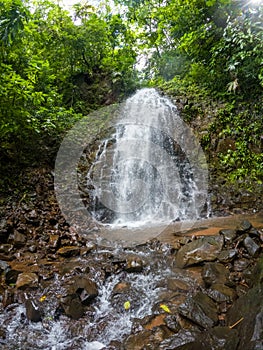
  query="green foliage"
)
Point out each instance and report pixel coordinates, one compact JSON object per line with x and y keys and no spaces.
{"x":53,"y":71}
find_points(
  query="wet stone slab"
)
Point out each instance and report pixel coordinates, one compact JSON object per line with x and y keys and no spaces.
{"x":198,"y":251}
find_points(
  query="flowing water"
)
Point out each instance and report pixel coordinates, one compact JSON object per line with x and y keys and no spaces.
{"x":151,"y":170}
{"x":107,"y":322}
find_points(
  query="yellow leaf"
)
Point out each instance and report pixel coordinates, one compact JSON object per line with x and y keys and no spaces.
{"x":43,"y":298}
{"x":165,"y":308}
{"x":127,"y":305}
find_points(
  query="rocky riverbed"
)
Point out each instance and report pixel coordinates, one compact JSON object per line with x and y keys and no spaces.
{"x":199,"y":288}
{"x":65,"y":291}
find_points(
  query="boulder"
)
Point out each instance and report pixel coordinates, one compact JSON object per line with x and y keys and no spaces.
{"x":198,"y":251}
{"x":27,"y":280}
{"x":200,"y":309}
{"x":218,"y":338}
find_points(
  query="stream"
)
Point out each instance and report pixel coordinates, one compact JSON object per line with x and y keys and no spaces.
{"x":139,"y":263}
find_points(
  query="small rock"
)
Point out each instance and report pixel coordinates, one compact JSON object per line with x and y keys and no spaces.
{"x":134,"y":264}
{"x":8,"y":298}
{"x":241,"y":264}
{"x":172,"y":323}
{"x":226,"y":256}
{"x":5,"y":249}
{"x":68,"y":251}
{"x":214,"y":273}
{"x":11,"y":276}
{"x":252,"y":247}
{"x":243,"y":227}
{"x":32,"y":248}
{"x":19,"y":239}
{"x":4,"y":266}
{"x":121,"y":287}
{"x":54,"y":241}
{"x":85,"y":288}
{"x":32,"y":311}
{"x":27,"y":280}
{"x":229,"y":235}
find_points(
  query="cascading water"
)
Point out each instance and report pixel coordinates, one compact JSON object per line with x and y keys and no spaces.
{"x":108,"y":321}
{"x":152,"y":170}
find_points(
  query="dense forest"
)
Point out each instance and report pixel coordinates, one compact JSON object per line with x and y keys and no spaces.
{"x":57,"y":66}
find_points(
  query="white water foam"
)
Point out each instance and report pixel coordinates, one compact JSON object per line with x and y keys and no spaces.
{"x":154,"y":172}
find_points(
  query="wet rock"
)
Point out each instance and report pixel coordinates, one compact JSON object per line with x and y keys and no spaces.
{"x":215,"y":273}
{"x":32,"y":217}
{"x":241,"y":264}
{"x":243,"y":227}
{"x":200,"y":250}
{"x":131,"y":295}
{"x":171,"y":299}
{"x":182,"y":340}
{"x":11,"y":276}
{"x":147,"y":339}
{"x":8,"y":298}
{"x":32,"y":248}
{"x":27,"y":280}
{"x":4,"y":266}
{"x":229,"y":235}
{"x":175,"y":284}
{"x":72,"y":306}
{"x":19,"y":239}
{"x":138,"y":341}
{"x":252,"y":248}
{"x":32,"y":310}
{"x":4,"y":231}
{"x":54,"y":241}
{"x":85,"y":288}
{"x":122,"y":287}
{"x":216,"y":338}
{"x":153,"y":321}
{"x":200,"y":309}
{"x":249,"y":312}
{"x":5,"y":250}
{"x":69,"y":251}
{"x":254,"y":232}
{"x":226,"y":256}
{"x":220,"y":293}
{"x":134,"y":264}
{"x":172,"y":323}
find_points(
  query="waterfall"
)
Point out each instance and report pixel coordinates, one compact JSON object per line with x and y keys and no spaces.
{"x":152,"y":169}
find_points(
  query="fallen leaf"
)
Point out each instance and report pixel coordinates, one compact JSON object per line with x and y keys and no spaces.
{"x":165,"y":308}
{"x":127,"y":305}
